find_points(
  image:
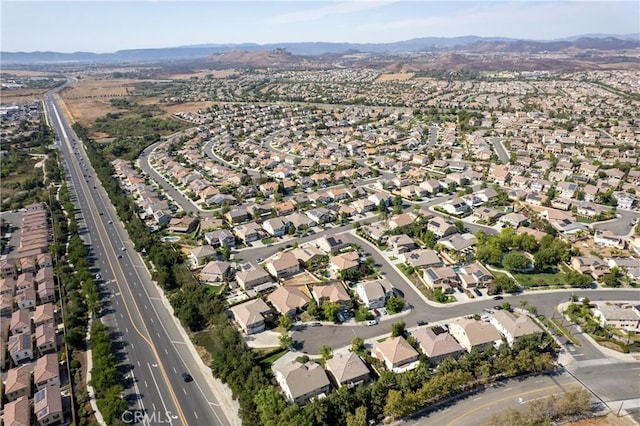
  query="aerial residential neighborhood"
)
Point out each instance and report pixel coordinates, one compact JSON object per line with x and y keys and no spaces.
{"x":279,"y":236}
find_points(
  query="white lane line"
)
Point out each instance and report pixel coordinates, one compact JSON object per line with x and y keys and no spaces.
{"x":158,"y":388}
{"x":538,"y":381}
{"x":183,"y":390}
{"x":507,"y":389}
{"x":195,"y":414}
{"x":175,"y":371}
{"x":138,"y":363}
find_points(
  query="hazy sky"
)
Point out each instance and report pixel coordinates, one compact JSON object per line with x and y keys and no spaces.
{"x":107,"y":26}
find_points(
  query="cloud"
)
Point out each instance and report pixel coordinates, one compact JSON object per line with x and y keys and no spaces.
{"x":331,"y":9}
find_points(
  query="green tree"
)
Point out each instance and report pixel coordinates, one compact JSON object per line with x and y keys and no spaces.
{"x":359,"y":418}
{"x":330,"y":310}
{"x":395,"y":304}
{"x":326,"y":352}
{"x":285,"y":322}
{"x":357,"y":345}
{"x":286,"y":341}
{"x":515,"y":261}
{"x":398,"y":329}
{"x":270,"y":405}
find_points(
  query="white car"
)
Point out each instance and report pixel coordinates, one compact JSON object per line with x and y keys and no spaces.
{"x":371,"y":322}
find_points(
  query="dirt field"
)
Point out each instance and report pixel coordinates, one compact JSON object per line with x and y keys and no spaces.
{"x":204,"y":74}
{"x":22,"y":95}
{"x":395,"y":76}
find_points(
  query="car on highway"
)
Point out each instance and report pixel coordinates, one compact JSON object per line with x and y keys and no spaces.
{"x":123,"y":248}
{"x":110,"y":222}
{"x":119,"y":256}
{"x":187,"y":377}
{"x":498,"y":297}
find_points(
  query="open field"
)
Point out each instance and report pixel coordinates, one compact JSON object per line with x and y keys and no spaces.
{"x":395,"y":76}
{"x":22,"y":95}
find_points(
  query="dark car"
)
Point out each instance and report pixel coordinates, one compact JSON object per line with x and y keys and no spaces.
{"x":498,"y":297}
{"x":423,"y":322}
{"x":497,"y":308}
{"x":187,"y":377}
{"x":316,"y":324}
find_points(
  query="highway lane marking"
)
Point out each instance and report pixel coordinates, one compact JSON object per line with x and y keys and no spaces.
{"x":121,"y":316}
{"x":195,"y":414}
{"x":175,"y":371}
{"x":539,"y":381}
{"x":578,"y":355}
{"x":507,"y":389}
{"x":139,"y":364}
{"x":636,"y":368}
{"x":177,"y":343}
{"x":126,"y":329}
{"x":488,"y":404}
{"x":183,"y":390}
{"x":154,"y":406}
{"x":160,"y":393}
{"x":146,"y":385}
{"x":475,"y":399}
{"x":151,"y":319}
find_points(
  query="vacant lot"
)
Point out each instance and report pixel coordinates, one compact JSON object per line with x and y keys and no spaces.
{"x":394,"y":76}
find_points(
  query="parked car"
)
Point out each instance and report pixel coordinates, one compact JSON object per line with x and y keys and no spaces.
{"x":316,"y":324}
{"x":423,"y":322}
{"x":498,"y":297}
{"x":371,"y":322}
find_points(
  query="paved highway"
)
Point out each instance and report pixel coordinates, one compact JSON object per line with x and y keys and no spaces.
{"x":154,"y":346}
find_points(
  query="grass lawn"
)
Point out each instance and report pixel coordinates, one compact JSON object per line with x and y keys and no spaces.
{"x":542,"y":279}
{"x":267,"y":362}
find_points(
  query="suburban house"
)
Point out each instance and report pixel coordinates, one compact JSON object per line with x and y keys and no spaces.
{"x":283,"y":265}
{"x":250,"y":276}
{"x":276,"y":227}
{"x":437,"y":346}
{"x":251,"y":315}
{"x":220,"y":238}
{"x":401,"y":243}
{"x":183,"y":224}
{"x":619,"y":316}
{"x":47,"y":406}
{"x":590,"y":265}
{"x":397,"y":354}
{"x":441,"y":277}
{"x":288,"y":300}
{"x":456,"y":207}
{"x":513,"y":219}
{"x":216,"y":271}
{"x":608,"y":239}
{"x":46,"y":371}
{"x":46,"y":338}
{"x":513,"y":327}
{"x":474,"y":275}
{"x":200,"y":255}
{"x":248,"y":232}
{"x":20,"y":347}
{"x":18,"y":412}
{"x":347,"y":369}
{"x":474,"y":334}
{"x":301,"y":382}
{"x":18,"y":383}
{"x":334,"y":293}
{"x":20,"y":322}
{"x":344,"y":261}
{"x":441,"y":227}
{"x":421,"y":259}
{"x":372,"y":293}
{"x":328,"y":243}
{"x":44,"y":314}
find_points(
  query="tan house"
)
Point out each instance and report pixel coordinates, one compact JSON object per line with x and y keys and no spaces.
{"x":20,"y":322}
{"x":18,"y":383}
{"x":334,"y":293}
{"x":348,"y":369}
{"x":216,"y":271}
{"x":301,"y":382}
{"x":344,"y":261}
{"x":251,"y":315}
{"x":284,"y":265}
{"x":46,"y":338}
{"x":20,"y":347}
{"x":397,"y":354}
{"x":474,"y":334}
{"x":18,"y":412}
{"x":47,"y":406}
{"x":288,"y":300}
{"x":44,"y":314}
{"x":618,"y":316}
{"x":437,"y":346}
{"x":511,"y":327}
{"x":46,"y":371}
{"x":250,"y":276}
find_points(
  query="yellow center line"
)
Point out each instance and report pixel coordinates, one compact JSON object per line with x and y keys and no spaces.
{"x":92,"y":210}
{"x":488,"y":404}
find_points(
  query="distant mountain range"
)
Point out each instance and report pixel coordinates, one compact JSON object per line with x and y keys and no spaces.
{"x":426,"y":44}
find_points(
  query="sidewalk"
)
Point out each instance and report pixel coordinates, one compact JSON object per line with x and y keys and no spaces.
{"x":90,"y":391}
